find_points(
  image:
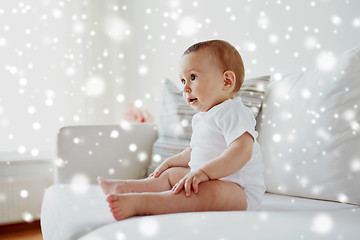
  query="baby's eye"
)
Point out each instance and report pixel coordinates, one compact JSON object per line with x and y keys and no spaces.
{"x":193,"y":77}
{"x":183,"y":81}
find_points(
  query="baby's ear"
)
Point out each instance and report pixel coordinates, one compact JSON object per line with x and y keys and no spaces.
{"x":229,"y":78}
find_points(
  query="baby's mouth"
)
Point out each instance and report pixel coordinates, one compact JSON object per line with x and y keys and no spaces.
{"x":192,"y":101}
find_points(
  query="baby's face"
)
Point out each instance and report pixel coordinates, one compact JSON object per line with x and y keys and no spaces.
{"x":202,"y":80}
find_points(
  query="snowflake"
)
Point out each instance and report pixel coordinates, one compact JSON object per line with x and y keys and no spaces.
{"x":78,"y":28}
{"x":142,"y":156}
{"x":143,"y":70}
{"x":156,"y":158}
{"x":356,"y":22}
{"x":22,"y":149}
{"x":273,"y":38}
{"x":56,"y":13}
{"x":251,"y":46}
{"x":28,"y":217}
{"x":305,"y":93}
{"x":148,"y":227}
{"x":132,"y":147}
{"x":263,"y":21}
{"x":80,"y":183}
{"x":322,"y":224}
{"x":76,"y":140}
{"x":188,"y":26}
{"x":276,"y":138}
{"x":120,"y":236}
{"x":349,"y":115}
{"x":120,"y":98}
{"x":116,"y":27}
{"x":326,"y":61}
{"x":95,"y":87}
{"x":355,"y":165}
{"x":24,"y":193}
{"x":336,"y":20}
{"x":31,"y":109}
{"x":35,"y":152}
{"x":3,"y":42}
{"x":342,"y":197}
{"x":138,"y":103}
{"x":114,"y":134}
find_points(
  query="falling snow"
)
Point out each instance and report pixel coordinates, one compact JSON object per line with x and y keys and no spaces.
{"x":80,"y":183}
{"x":322,"y":224}
{"x":64,"y":65}
{"x":148,"y":227}
{"x":132,"y":147}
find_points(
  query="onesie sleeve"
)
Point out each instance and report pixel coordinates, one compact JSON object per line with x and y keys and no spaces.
{"x":234,"y":121}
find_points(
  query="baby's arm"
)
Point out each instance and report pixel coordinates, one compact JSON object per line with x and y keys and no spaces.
{"x":179,"y":160}
{"x":230,"y":161}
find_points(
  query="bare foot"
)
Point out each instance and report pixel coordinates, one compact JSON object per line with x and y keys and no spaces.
{"x":111,"y":186}
{"x":123,"y":205}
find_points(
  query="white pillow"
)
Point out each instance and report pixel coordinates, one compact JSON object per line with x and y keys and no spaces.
{"x":310,"y":132}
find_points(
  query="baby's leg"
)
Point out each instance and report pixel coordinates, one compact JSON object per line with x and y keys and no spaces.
{"x":213,"y":195}
{"x":162,"y":183}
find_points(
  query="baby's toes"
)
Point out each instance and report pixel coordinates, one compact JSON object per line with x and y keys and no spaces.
{"x":118,"y":213}
{"x":100,"y":179}
{"x":112,"y":198}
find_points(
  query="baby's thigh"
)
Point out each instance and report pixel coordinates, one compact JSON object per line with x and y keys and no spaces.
{"x":223,"y":195}
{"x":174,"y":174}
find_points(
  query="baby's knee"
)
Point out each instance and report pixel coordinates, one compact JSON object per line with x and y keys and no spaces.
{"x":174,"y":174}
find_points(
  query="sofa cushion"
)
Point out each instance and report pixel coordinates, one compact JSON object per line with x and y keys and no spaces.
{"x":235,"y":225}
{"x":309,"y":132}
{"x":67,"y":214}
{"x":174,"y":125}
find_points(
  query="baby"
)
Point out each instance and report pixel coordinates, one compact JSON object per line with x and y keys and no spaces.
{"x":222,"y":168}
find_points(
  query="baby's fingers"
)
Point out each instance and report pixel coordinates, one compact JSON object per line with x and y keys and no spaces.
{"x":178,"y":186}
{"x":156,"y":173}
{"x":175,"y":188}
{"x":187,"y":187}
{"x":195,"y":185}
{"x":159,"y":170}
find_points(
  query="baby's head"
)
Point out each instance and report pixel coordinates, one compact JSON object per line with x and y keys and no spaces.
{"x":225,"y":56}
{"x":212,"y":72}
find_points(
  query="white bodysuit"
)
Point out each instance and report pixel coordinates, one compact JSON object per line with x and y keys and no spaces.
{"x":214,"y":131}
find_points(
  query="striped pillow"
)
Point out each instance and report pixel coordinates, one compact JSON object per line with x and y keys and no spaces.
{"x":174,"y":124}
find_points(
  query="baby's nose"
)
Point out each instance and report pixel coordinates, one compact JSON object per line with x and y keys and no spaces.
{"x":186,"y":88}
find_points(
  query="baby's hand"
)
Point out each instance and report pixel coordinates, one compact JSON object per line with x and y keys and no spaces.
{"x":159,"y":170}
{"x":191,"y":180}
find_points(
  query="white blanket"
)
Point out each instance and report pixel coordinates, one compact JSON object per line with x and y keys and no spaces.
{"x":69,"y":212}
{"x":81,"y":212}
{"x":342,"y":224}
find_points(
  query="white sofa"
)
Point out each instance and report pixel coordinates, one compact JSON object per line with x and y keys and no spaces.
{"x":309,"y":133}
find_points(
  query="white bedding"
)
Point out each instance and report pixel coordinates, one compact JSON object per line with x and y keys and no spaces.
{"x":234,"y":226}
{"x":69,"y":212}
{"x":73,"y":212}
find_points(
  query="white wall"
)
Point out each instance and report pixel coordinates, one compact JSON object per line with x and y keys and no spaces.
{"x":130,"y":45}
{"x":58,"y":67}
{"x":274,"y":37}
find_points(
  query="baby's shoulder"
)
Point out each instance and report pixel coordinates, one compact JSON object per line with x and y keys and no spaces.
{"x":232,"y":107}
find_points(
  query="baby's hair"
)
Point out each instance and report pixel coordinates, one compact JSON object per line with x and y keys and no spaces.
{"x":225,"y":55}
